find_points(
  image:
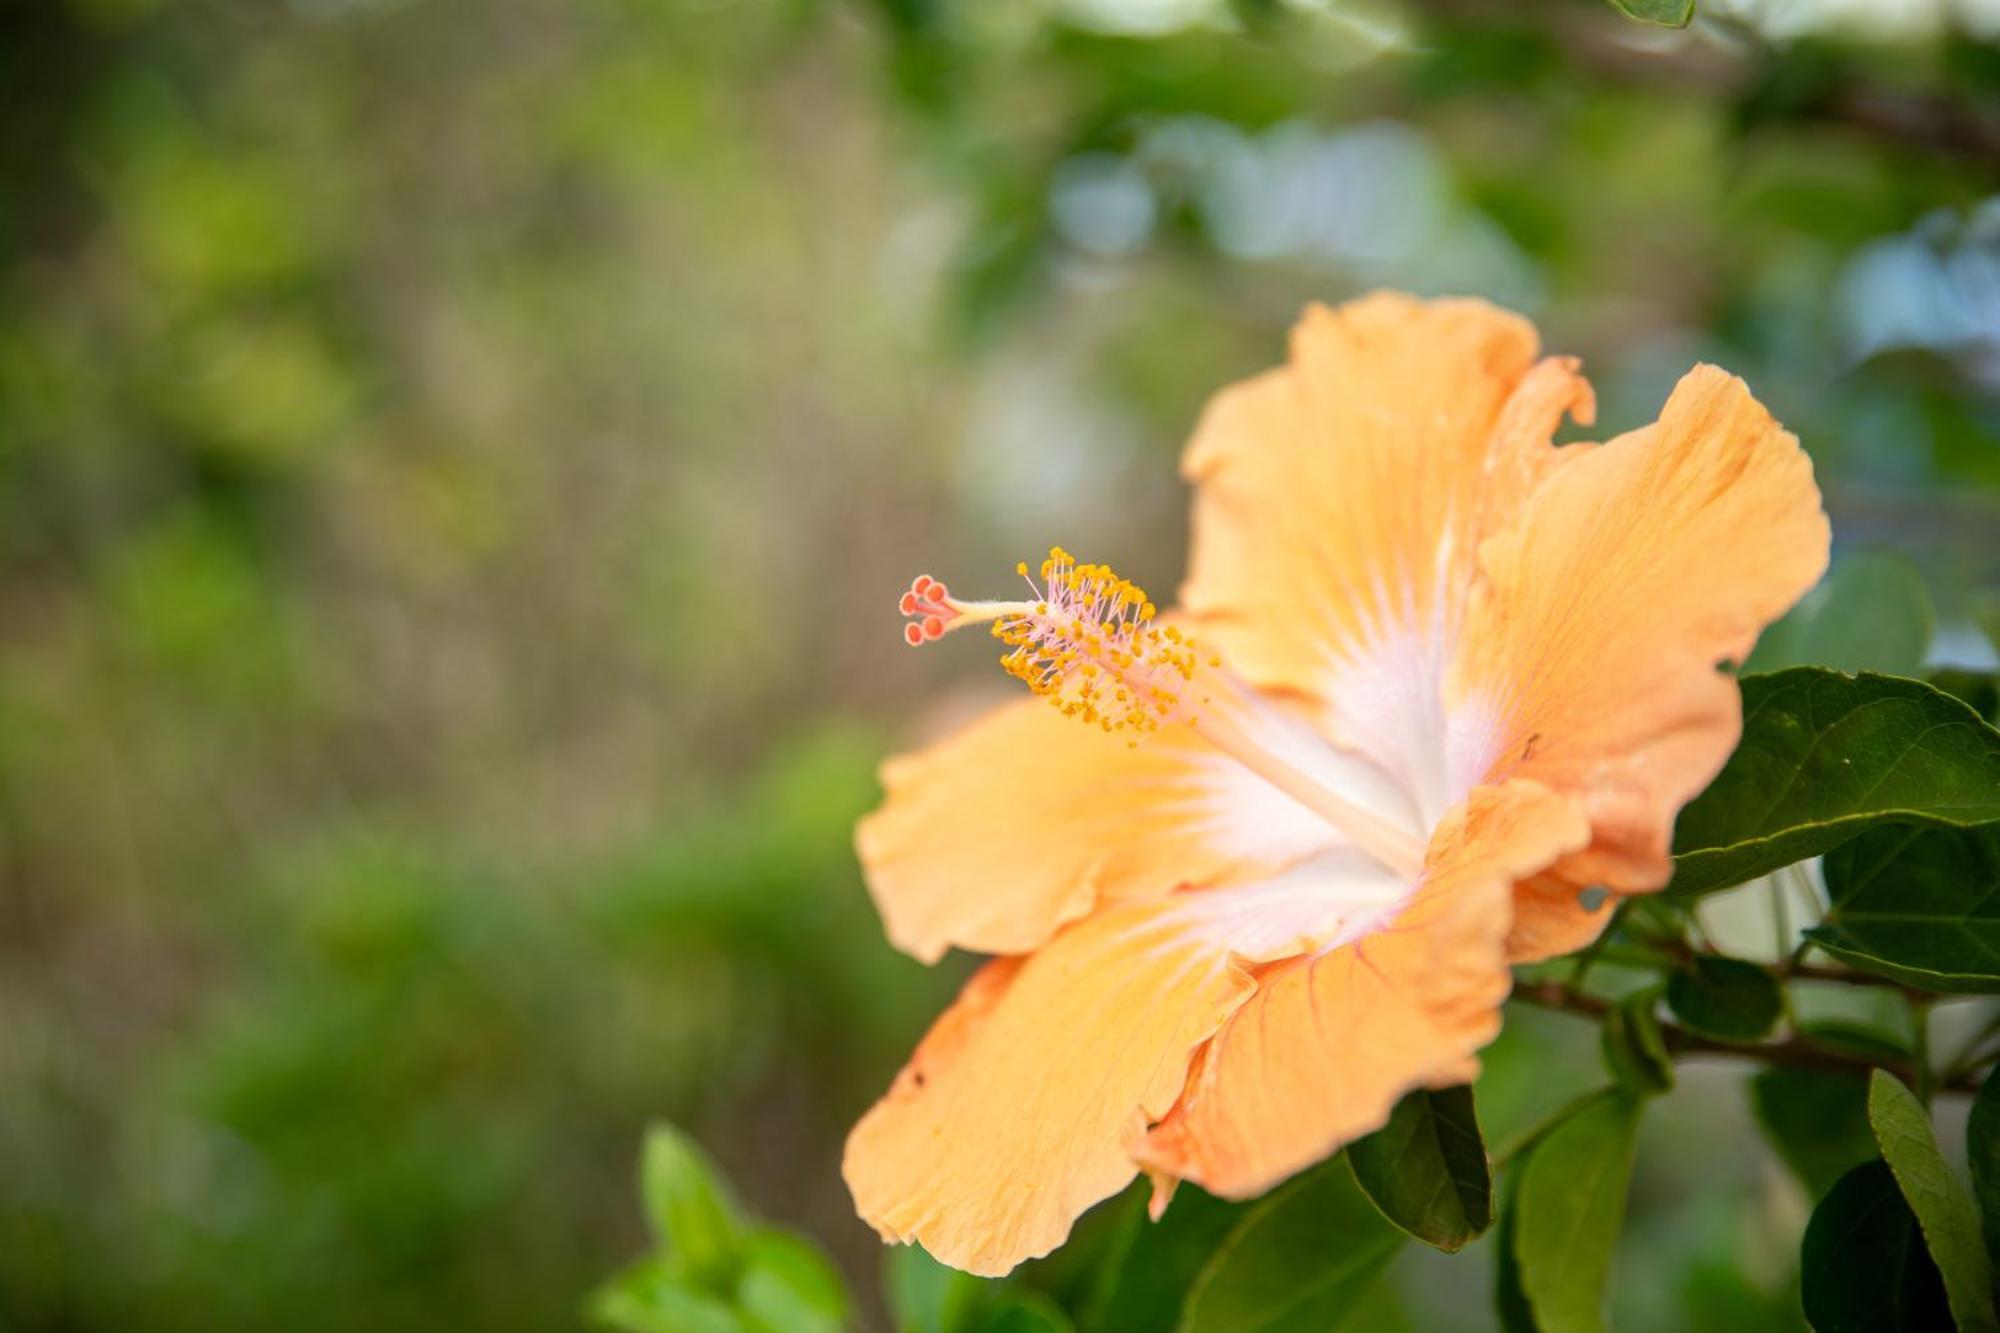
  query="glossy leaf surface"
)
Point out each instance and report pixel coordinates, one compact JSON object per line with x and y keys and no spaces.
{"x":1823,"y":758}
{"x":1921,"y":905}
{"x":1301,"y":1261}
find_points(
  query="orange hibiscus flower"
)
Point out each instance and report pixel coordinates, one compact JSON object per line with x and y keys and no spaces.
{"x":1434,"y":678}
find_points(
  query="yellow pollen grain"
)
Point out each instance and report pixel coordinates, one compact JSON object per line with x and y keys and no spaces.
{"x":1087,"y":623}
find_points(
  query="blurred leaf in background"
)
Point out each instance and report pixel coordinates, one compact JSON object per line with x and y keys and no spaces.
{"x":712,"y":1268}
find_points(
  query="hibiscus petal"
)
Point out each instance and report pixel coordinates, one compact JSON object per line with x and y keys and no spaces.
{"x":1027,"y":820}
{"x":1023,"y":1105}
{"x":1591,"y":648}
{"x":1321,"y":1052}
{"x":1341,"y":501}
{"x":1551,"y":917}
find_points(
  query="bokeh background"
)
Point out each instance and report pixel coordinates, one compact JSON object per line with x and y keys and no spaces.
{"x":457,"y":461}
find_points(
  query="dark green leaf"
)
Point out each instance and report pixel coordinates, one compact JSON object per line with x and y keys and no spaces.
{"x":1980,"y":690}
{"x":1141,"y":1287}
{"x":652,"y":1297}
{"x":1427,"y":1169}
{"x":788,"y":1286}
{"x":1921,"y":905}
{"x":1825,"y":757}
{"x":1871,"y":613}
{"x":1299,"y":1262}
{"x":689,"y":1208}
{"x":1816,"y":1120}
{"x":1571,"y":1204}
{"x":1634,"y":1046}
{"x":1863,"y":1267}
{"x":1946,"y":1216}
{"x":1726,"y":998}
{"x":1982,"y":1150}
{"x":1666,"y":13}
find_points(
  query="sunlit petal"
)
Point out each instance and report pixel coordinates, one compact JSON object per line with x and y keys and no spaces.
{"x":1322,"y":1050}
{"x":1591,"y":650}
{"x":997,"y":837}
{"x":1340,"y":503}
{"x":1024,"y":1104}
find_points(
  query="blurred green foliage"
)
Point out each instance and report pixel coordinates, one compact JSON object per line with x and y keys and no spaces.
{"x":416,"y":1087}
{"x":712,"y":1269}
{"x":455,"y":462}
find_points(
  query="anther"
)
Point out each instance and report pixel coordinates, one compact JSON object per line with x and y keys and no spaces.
{"x":1086,"y":642}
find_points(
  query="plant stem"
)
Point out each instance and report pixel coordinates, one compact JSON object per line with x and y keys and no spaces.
{"x":1645,"y":956}
{"x":1597,"y":946}
{"x":1792,"y":1053}
{"x":1920,"y":1031}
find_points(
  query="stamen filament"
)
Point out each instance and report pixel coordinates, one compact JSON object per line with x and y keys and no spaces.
{"x":1380,"y":839}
